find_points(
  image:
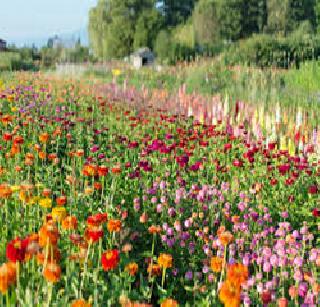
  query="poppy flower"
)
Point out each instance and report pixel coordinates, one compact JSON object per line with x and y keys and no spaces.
{"x":52,"y":272}
{"x":16,"y":250}
{"x":110,"y":259}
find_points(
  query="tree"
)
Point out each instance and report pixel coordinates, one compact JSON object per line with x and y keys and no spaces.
{"x":176,"y":11}
{"x":231,"y":19}
{"x":205,"y":22}
{"x":147,"y":27}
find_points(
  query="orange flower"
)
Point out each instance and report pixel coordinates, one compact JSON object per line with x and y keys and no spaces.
{"x":48,"y":234}
{"x":154,"y":269}
{"x":69,"y":223}
{"x":230,"y":294}
{"x":42,"y":155}
{"x":237,"y":273}
{"x":216,"y":264}
{"x":7,"y":276}
{"x":102,"y":170}
{"x":5,"y":190}
{"x":165,"y":261}
{"x":44,"y":137}
{"x":54,"y":256}
{"x":169,"y":302}
{"x":282,"y":302}
{"x":52,"y":272}
{"x":61,"y":200}
{"x":114,"y":225}
{"x":89,"y":170}
{"x":226,"y":237}
{"x":116,"y":169}
{"x":132,"y":268}
{"x":154,"y":229}
{"x":80,"y":303}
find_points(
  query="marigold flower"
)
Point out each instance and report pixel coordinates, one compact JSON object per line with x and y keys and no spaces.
{"x":52,"y":272}
{"x":114,"y":225}
{"x":230,"y":294}
{"x":7,"y":276}
{"x":237,"y":273}
{"x":132,"y":268}
{"x":69,"y":223}
{"x":110,"y":259}
{"x":58,"y":213}
{"x":169,"y":302}
{"x":80,"y":303}
{"x":165,"y":261}
{"x":216,"y":264}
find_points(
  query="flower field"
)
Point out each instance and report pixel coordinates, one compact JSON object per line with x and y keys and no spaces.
{"x":112,"y":196}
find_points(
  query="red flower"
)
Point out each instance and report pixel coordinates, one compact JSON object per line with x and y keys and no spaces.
{"x":266,"y":297}
{"x":313,"y":189}
{"x":16,"y":250}
{"x":110,"y":259}
{"x":237,"y":163}
{"x":93,"y":235}
{"x":316,"y":212}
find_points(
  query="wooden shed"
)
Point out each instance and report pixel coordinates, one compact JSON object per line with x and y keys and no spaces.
{"x":142,"y":57}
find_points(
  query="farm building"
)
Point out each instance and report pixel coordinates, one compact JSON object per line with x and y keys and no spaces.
{"x":3,"y":44}
{"x":142,"y":57}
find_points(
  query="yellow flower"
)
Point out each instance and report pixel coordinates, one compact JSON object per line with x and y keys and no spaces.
{"x":116,"y":72}
{"x":15,"y":188}
{"x":45,"y":202}
{"x":165,"y":261}
{"x":59,"y":213}
{"x":14,"y":109}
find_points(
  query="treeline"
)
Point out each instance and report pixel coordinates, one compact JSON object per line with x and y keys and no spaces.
{"x":180,"y":29}
{"x":32,"y":58}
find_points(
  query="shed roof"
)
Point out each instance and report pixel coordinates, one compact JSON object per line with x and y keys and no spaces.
{"x":145,"y":51}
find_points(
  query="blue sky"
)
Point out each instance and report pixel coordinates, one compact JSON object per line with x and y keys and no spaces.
{"x":27,"y":21}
